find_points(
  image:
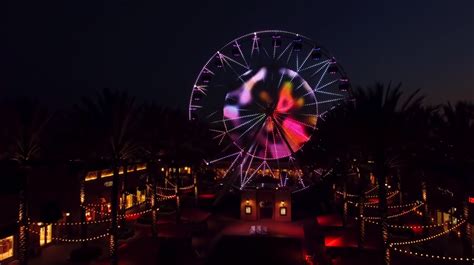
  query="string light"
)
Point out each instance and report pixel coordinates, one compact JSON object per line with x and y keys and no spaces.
{"x":395,"y":206}
{"x":187,"y":187}
{"x":410,"y":242}
{"x":355,"y":195}
{"x":395,"y":215}
{"x":163,"y":188}
{"x":426,"y":255}
{"x":405,"y":212}
{"x":373,"y":189}
{"x":72,"y":240}
{"x":411,"y":226}
{"x":77,"y":223}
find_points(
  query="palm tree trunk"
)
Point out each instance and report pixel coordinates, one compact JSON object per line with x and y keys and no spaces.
{"x":424,"y":199}
{"x":113,"y":247}
{"x":399,"y":187}
{"x":196,"y":201}
{"x":124,"y":195}
{"x":361,"y":238}
{"x":466,"y":231}
{"x":82,"y":199}
{"x":178,"y":199}
{"x":154,"y":215}
{"x":23,"y":225}
{"x":345,"y":206}
{"x":382,"y":194}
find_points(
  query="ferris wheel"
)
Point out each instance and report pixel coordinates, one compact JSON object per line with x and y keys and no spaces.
{"x":262,"y":95}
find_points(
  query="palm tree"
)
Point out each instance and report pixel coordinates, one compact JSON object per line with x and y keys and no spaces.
{"x":109,"y":122}
{"x":24,"y":122}
{"x":373,"y":127}
{"x":456,"y":132}
{"x":151,"y":146}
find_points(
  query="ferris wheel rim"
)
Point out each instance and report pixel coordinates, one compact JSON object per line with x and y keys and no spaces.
{"x":314,"y":43}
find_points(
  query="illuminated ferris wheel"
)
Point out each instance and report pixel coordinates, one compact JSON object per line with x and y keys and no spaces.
{"x":262,"y":95}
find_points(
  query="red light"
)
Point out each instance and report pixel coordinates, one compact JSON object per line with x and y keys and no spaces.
{"x":471,"y":199}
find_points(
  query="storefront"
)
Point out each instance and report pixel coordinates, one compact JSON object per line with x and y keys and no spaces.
{"x":7,"y":249}
{"x":259,"y":204}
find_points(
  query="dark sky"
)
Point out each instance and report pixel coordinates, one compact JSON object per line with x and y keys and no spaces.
{"x":61,"y":50}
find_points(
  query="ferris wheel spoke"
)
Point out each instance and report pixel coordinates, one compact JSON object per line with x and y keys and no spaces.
{"x":322,"y":75}
{"x":265,"y":51}
{"x":300,"y":85}
{"x":206,"y":70}
{"x":317,"y":89}
{"x":201,"y":89}
{"x":324,"y":102}
{"x":297,"y":121}
{"x":304,"y":61}
{"x":233,"y":163}
{"x":224,"y":157}
{"x":227,"y":59}
{"x":250,"y":128}
{"x":286,"y":137}
{"x":329,"y":93}
{"x":258,"y":118}
{"x":237,"y":118}
{"x":314,"y":65}
{"x":239,"y":76}
{"x":251,"y":176}
{"x":251,"y":160}
{"x":289,"y":56}
{"x":281,"y":133}
{"x":284,"y":51}
{"x":297,"y":61}
{"x":223,"y":133}
{"x":254,"y":46}
{"x":242,"y":54}
{"x":266,"y":144}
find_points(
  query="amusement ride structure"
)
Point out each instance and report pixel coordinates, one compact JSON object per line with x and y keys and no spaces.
{"x":262,"y":95}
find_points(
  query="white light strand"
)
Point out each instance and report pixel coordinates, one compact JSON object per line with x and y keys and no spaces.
{"x":72,"y":240}
{"x":395,"y":215}
{"x":426,"y":255}
{"x":416,"y":241}
{"x":411,"y":226}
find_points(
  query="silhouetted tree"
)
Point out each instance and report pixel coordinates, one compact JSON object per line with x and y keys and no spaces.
{"x":24,"y":121}
{"x":109,"y":123}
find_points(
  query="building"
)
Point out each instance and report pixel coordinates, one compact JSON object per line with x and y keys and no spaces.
{"x":261,"y":203}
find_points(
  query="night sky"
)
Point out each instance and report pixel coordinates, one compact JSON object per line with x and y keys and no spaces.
{"x":61,"y":50}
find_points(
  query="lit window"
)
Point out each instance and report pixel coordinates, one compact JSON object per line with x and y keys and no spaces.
{"x":248,"y":209}
{"x":42,"y":235}
{"x":283,"y":211}
{"x":6,"y":248}
{"x":91,"y":175}
{"x":46,"y":234}
{"x":108,"y":184}
{"x":106,"y":173}
{"x":129,"y":201}
{"x":49,"y":234}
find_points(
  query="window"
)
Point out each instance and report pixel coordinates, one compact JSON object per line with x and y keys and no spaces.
{"x":248,"y":209}
{"x":91,"y":175}
{"x":283,"y":211}
{"x":6,"y":248}
{"x":129,"y":201}
{"x":46,"y":234}
{"x":49,"y":234}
